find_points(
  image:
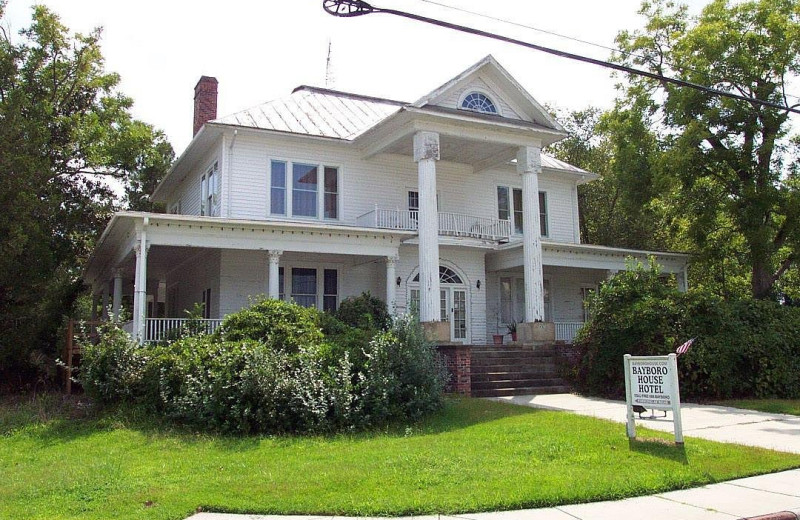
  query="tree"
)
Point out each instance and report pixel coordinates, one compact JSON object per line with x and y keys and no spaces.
{"x":735,"y":162}
{"x":66,"y":134}
{"x":620,"y":208}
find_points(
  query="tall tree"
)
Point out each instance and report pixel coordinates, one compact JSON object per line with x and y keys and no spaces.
{"x":66,"y":137}
{"x":620,"y":208}
{"x":735,"y":161}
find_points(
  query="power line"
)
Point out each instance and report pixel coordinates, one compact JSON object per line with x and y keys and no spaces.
{"x":552,"y":33}
{"x":351,"y":8}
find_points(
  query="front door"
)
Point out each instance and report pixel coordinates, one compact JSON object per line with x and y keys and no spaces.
{"x":453,"y":308}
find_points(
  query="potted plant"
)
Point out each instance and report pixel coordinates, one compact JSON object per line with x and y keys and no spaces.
{"x":512,"y":329}
{"x":498,"y":339}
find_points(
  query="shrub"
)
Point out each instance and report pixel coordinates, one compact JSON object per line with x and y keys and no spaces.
{"x":280,"y":325}
{"x":402,"y":376}
{"x":113,"y":369}
{"x":364,"y":312}
{"x":271,"y":370}
{"x":743,"y":348}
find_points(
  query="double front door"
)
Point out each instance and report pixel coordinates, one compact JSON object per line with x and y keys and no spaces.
{"x":452,"y":308}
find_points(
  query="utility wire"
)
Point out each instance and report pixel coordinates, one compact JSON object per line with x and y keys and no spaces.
{"x":351,"y":8}
{"x":548,"y":32}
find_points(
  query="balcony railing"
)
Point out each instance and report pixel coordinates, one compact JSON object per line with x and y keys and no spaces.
{"x":450,"y":224}
{"x":159,"y":329}
{"x":566,"y":330}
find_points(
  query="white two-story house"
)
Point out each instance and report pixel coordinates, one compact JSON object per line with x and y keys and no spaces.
{"x":446,"y":206}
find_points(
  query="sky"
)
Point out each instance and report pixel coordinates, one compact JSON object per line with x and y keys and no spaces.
{"x":262,"y":50}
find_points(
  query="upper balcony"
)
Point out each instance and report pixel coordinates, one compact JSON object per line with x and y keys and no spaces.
{"x":450,"y":224}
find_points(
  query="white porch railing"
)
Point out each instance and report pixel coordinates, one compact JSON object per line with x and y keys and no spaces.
{"x":566,"y":330}
{"x":158,"y":329}
{"x":450,"y":224}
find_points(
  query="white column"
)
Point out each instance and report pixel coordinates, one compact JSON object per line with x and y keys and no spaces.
{"x":116,"y":303}
{"x":391,"y":284}
{"x":95,"y":303}
{"x":683,"y":279}
{"x":529,"y":165}
{"x":274,"y":274}
{"x":140,"y":288}
{"x":106,"y":301}
{"x":611,"y":273}
{"x":426,"y":153}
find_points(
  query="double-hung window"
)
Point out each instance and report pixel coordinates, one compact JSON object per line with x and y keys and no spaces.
{"x":509,"y":207}
{"x":307,"y":190}
{"x":312,"y":287}
{"x":210,"y":191}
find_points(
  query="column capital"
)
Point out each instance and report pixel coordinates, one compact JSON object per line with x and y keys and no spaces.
{"x":137,"y":247}
{"x":392,"y":260}
{"x":426,"y":146}
{"x":118,"y":273}
{"x":275,"y":255}
{"x":529,"y":159}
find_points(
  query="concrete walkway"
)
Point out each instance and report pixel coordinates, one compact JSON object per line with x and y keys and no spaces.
{"x":717,"y":423}
{"x":742,"y":498}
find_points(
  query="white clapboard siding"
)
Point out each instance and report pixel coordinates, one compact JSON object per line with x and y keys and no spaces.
{"x":243,"y":277}
{"x":188,"y":190}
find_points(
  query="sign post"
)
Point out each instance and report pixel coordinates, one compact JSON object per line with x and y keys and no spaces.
{"x":652,"y":382}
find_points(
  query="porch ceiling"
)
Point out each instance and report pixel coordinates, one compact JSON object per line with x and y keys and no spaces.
{"x":480,"y":154}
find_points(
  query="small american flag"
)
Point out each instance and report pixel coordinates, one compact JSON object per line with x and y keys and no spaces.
{"x":683,"y":349}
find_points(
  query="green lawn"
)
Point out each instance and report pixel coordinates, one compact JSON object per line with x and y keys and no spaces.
{"x":474,"y":455}
{"x":788,"y":406}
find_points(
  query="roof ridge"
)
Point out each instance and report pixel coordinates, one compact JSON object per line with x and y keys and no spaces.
{"x":353,"y":95}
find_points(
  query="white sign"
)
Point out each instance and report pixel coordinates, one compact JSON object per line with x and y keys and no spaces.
{"x":652,"y":382}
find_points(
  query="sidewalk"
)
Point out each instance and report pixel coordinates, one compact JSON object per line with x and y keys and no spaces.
{"x":717,"y":423}
{"x":747,"y":497}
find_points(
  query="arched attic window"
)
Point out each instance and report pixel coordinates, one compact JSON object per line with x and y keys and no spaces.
{"x":478,"y":102}
{"x":446,"y":275}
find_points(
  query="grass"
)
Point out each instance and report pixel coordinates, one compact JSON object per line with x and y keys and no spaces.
{"x":787,"y":406}
{"x":59,"y":461}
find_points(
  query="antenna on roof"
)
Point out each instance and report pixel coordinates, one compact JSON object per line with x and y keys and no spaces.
{"x":330,"y":79}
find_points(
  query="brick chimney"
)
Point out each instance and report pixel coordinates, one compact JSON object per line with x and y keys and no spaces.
{"x":205,"y":102}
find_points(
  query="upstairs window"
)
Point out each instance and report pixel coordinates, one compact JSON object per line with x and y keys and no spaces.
{"x":304,"y":190}
{"x":209,"y":191}
{"x":509,"y":206}
{"x":478,"y":102}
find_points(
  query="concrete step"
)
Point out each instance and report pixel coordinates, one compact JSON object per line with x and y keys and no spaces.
{"x":538,"y":390}
{"x":512,"y":366}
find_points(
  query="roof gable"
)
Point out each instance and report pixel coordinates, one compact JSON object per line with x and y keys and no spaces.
{"x":488,"y":77}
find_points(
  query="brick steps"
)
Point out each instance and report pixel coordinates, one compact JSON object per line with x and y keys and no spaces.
{"x":514,"y":370}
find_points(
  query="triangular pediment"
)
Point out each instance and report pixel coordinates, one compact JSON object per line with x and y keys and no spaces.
{"x":487,"y":77}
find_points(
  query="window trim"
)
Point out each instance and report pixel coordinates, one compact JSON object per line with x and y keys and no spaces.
{"x":289,"y":190}
{"x":286,"y":268}
{"x":543,"y":222}
{"x":211,"y":192}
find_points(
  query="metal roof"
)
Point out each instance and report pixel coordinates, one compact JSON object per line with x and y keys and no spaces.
{"x":317,"y":112}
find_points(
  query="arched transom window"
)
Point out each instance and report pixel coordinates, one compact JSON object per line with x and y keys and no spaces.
{"x":446,"y":275}
{"x":479,"y":103}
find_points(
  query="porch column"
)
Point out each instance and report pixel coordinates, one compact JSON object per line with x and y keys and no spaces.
{"x":683,"y":280}
{"x":529,"y":165}
{"x":140,"y":288}
{"x":116,"y":304}
{"x":274,"y":273}
{"x":391,"y":284}
{"x":426,"y":153}
{"x":106,"y":301}
{"x":611,"y":273}
{"x":95,"y":303}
